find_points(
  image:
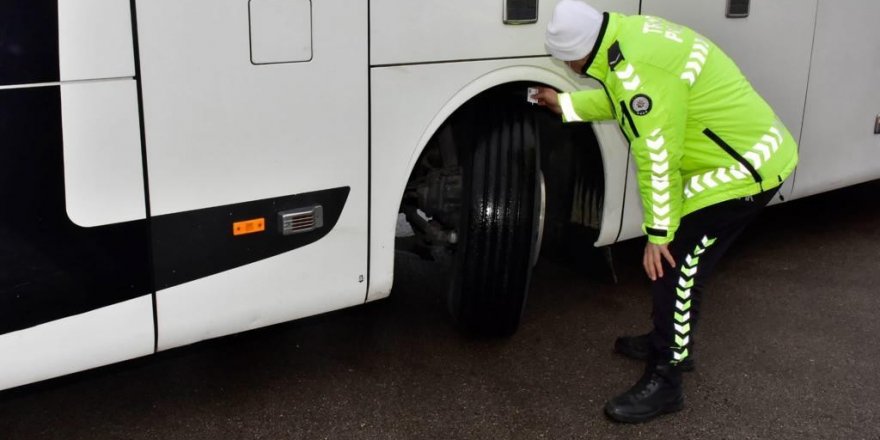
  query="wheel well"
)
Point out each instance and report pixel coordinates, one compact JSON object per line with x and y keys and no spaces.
{"x":571,"y":162}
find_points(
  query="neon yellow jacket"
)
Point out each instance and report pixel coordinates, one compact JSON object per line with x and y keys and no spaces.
{"x":699,"y":132}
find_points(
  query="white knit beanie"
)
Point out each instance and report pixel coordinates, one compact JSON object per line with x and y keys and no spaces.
{"x":573,"y":30}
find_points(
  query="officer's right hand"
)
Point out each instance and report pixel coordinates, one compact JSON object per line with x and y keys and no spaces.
{"x":548,"y":97}
{"x":653,"y":259}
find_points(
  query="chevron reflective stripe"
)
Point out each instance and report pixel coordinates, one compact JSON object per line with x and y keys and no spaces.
{"x":568,"y":108}
{"x":763,"y":150}
{"x":739,"y":171}
{"x":660,"y":167}
{"x":754,"y":158}
{"x":689,"y":271}
{"x":661,"y":210}
{"x":682,"y":314}
{"x":689,"y":76}
{"x":655,"y":141}
{"x":694,"y":184}
{"x":660,"y":197}
{"x":626,"y":73}
{"x":629,"y":78}
{"x":709,"y":180}
{"x":633,"y":84}
{"x":778,"y":134}
{"x":694,"y":65}
{"x":701,"y":182}
{"x":662,"y":156}
{"x":758,"y":155}
{"x":771,"y":141}
{"x":660,"y":183}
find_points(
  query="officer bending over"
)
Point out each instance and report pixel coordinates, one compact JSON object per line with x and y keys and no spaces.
{"x":710,"y":154}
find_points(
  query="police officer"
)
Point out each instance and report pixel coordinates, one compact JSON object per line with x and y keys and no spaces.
{"x":710,"y":154}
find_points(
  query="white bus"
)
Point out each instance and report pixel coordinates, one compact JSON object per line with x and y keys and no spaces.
{"x":178,"y":170}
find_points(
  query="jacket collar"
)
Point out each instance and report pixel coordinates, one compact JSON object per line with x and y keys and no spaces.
{"x":597,"y":64}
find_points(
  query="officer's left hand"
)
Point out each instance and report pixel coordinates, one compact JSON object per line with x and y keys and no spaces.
{"x":653,"y":259}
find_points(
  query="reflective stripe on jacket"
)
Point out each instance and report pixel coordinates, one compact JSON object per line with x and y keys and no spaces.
{"x":699,"y":132}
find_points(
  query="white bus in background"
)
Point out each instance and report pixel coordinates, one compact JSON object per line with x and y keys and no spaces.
{"x":174,"y":171}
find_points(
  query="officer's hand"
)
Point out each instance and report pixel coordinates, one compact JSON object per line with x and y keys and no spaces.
{"x":547,"y":97}
{"x":653,"y":260}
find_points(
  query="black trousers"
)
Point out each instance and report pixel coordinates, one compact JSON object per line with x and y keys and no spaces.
{"x":701,"y":240}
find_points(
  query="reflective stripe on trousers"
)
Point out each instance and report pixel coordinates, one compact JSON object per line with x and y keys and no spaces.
{"x":700,"y":243}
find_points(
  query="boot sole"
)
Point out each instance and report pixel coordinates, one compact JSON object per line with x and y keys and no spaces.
{"x":625,"y":418}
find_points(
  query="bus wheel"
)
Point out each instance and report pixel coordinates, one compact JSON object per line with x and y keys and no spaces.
{"x":499,"y":222}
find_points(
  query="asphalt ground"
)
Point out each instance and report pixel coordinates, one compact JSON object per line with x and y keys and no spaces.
{"x":787,"y":350}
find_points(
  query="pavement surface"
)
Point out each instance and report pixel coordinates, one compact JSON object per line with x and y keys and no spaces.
{"x":787,"y":350}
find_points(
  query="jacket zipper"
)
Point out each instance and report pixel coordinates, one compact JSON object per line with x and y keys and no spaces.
{"x":729,"y":150}
{"x":629,"y":119}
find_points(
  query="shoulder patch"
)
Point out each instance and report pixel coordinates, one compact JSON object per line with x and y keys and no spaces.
{"x":615,"y":56}
{"x":641,"y":104}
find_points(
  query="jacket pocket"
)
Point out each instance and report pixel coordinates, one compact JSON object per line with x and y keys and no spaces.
{"x":736,"y":156}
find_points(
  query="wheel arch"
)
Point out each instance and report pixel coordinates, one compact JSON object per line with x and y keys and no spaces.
{"x":612,"y":146}
{"x":480,"y":86}
{"x":384,"y":216}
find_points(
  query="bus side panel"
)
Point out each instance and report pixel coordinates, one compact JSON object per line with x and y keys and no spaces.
{"x":103,"y":167}
{"x":406,"y":31}
{"x":75,"y":278}
{"x":240,"y":126}
{"x":95,"y":39}
{"x":839,"y":146}
{"x":110,"y":334}
{"x":53,"y":268}
{"x":771,"y":47}
{"x":43,"y":41}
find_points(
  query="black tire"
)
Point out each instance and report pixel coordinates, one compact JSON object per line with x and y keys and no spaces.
{"x":498,"y":224}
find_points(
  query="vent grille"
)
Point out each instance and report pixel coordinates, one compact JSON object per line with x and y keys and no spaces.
{"x":297,"y":221}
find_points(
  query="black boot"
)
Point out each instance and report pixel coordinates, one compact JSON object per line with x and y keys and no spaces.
{"x":640,"y":348}
{"x":658,"y":392}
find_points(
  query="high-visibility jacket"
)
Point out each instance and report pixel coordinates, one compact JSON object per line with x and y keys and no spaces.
{"x":699,"y":132}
